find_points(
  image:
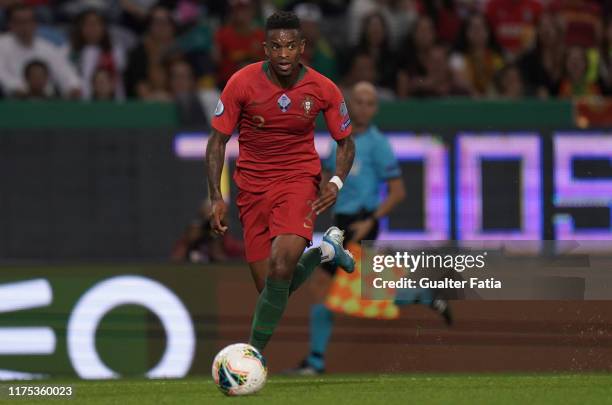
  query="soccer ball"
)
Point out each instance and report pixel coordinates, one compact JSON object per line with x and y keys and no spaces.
{"x":239,"y":369}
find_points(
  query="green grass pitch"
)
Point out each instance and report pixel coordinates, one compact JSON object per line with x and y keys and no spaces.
{"x":417,"y":389}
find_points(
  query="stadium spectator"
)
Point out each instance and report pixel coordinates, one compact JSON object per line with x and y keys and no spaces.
{"x":188,"y":12}
{"x":70,"y":10}
{"x":183,"y":90}
{"x":465,"y":8}
{"x":363,"y":68}
{"x":135,"y":14}
{"x":21,"y":45}
{"x":439,"y":79}
{"x":575,"y":82}
{"x":513,"y":22}
{"x":605,"y":66}
{"x":43,"y":13}
{"x":103,"y":85}
{"x":196,"y":43}
{"x":199,"y":244}
{"x":318,"y":52}
{"x":445,"y":17}
{"x":36,"y":75}
{"x":510,"y":83}
{"x":399,"y":16}
{"x":238,"y":42}
{"x":5,"y":4}
{"x":581,"y":21}
{"x":542,"y":66}
{"x":156,"y":87}
{"x":477,"y":58}
{"x":356,"y":14}
{"x":92,"y":49}
{"x":145,"y":75}
{"x":413,"y":55}
{"x":404,"y":14}
{"x":374,"y":41}
{"x":398,"y":70}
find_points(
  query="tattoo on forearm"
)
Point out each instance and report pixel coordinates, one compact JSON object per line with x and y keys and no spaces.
{"x":215,"y":157}
{"x":344,"y":157}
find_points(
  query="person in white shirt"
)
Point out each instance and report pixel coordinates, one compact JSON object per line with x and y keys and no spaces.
{"x":92,"y":48}
{"x":19,"y":46}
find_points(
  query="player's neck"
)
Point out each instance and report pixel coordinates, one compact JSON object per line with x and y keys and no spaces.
{"x":285,"y":81}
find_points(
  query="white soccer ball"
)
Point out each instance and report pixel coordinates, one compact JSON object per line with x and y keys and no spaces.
{"x":239,"y":369}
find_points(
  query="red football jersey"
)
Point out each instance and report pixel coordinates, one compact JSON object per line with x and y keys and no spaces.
{"x":276,"y":125}
{"x":514,"y":22}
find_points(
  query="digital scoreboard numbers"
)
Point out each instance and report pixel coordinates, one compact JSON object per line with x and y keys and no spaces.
{"x":471,"y":152}
{"x":490,"y":186}
{"x":432,"y":156}
{"x":588,"y":191}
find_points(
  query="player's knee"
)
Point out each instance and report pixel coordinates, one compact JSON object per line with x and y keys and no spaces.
{"x":280,"y":268}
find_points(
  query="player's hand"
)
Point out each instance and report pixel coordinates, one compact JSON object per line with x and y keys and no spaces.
{"x":326,"y":199}
{"x":361,"y":229}
{"x":217,"y":216}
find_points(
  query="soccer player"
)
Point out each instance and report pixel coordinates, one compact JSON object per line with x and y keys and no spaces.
{"x":358,"y":210}
{"x":274,"y":104}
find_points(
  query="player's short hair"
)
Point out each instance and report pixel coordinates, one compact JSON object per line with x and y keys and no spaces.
{"x":287,"y":20}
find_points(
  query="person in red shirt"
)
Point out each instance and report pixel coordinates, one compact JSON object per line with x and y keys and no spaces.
{"x":582,"y":21}
{"x":445,"y":15}
{"x":513,"y":23}
{"x":274,"y":104}
{"x":238,"y":42}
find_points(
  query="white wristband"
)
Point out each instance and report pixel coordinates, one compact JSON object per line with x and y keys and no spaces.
{"x":337,"y":181}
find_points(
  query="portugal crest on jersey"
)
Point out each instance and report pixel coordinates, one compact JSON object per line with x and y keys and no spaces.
{"x":284,"y":102}
{"x":307,"y":105}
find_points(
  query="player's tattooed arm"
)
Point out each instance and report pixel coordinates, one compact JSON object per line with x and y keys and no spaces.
{"x":345,"y":154}
{"x":344,"y":157}
{"x":215,"y":157}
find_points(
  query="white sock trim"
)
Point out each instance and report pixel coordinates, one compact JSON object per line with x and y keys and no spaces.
{"x":327,"y":252}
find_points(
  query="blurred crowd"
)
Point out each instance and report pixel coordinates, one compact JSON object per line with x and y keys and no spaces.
{"x":185,"y":50}
{"x":199,"y":244}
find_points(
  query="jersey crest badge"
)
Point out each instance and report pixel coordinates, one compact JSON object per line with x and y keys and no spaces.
{"x":307,"y":105}
{"x":284,"y":102}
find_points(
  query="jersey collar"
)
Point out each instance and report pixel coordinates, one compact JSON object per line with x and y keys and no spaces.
{"x":266,"y":69}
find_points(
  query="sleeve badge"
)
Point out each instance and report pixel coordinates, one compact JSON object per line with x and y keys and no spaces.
{"x":219,"y":109}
